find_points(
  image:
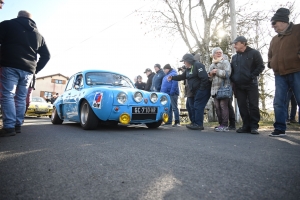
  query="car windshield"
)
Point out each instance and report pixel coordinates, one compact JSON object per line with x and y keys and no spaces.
{"x":105,"y":78}
{"x":38,"y":99}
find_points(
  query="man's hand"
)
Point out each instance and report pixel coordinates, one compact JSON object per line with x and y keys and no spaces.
{"x":169,"y":78}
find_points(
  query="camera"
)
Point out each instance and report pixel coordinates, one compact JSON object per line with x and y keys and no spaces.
{"x":181,"y":68}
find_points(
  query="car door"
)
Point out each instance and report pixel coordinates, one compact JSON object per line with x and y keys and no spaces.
{"x":65,"y":106}
{"x":76,"y":92}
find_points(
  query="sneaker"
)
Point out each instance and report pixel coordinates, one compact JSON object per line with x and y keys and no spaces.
{"x":6,"y":132}
{"x":231,"y":127}
{"x":176,"y":125}
{"x":221,"y":129}
{"x":243,"y":130}
{"x":254,"y":131}
{"x":18,"y":129}
{"x":194,"y":127}
{"x":277,"y":133}
{"x":293,"y":121}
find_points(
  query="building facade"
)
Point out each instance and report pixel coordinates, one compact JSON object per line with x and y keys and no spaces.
{"x":47,"y":86}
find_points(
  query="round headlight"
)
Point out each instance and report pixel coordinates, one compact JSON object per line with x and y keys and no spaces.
{"x":163,"y":100}
{"x":122,"y":97}
{"x":153,"y":97}
{"x":138,"y":97}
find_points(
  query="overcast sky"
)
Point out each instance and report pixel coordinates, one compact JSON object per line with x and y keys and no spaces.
{"x":98,"y":34}
{"x":94,"y":34}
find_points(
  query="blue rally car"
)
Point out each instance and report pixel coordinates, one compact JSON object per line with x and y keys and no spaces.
{"x":94,"y":96}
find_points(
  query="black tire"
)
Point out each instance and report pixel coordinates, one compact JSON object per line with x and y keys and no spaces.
{"x":154,"y":124}
{"x":55,"y":118}
{"x":88,"y":119}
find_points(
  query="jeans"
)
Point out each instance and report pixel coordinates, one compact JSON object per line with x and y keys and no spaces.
{"x":14,"y":85}
{"x":222,"y":111}
{"x":190,"y":108}
{"x":292,"y":115}
{"x":282,"y":85}
{"x":199,"y":101}
{"x":247,"y":99}
{"x":174,"y":108}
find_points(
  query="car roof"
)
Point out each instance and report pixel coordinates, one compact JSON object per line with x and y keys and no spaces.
{"x":97,"y":70}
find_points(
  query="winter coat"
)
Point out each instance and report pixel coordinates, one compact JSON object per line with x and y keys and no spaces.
{"x":157,"y":80}
{"x":170,"y":87}
{"x":196,"y":76}
{"x":149,"y":81}
{"x":220,"y":76}
{"x":140,"y":86}
{"x":246,"y":66}
{"x":284,"y":51}
{"x":20,"y":43}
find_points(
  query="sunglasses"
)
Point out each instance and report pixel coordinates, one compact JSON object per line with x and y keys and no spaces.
{"x":273,"y":23}
{"x":1,"y":2}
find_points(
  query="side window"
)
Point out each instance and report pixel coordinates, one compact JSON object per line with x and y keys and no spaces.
{"x":70,"y":83}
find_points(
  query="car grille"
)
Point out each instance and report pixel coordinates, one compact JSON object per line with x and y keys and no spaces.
{"x":143,"y":116}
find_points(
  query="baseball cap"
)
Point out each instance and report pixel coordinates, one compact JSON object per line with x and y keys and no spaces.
{"x":147,"y":70}
{"x":239,"y":39}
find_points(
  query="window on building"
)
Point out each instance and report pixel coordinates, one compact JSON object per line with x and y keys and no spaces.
{"x":57,"y":81}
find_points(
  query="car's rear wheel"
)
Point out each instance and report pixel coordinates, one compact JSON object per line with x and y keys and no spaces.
{"x":88,"y":119}
{"x":55,"y":118}
{"x":154,"y":124}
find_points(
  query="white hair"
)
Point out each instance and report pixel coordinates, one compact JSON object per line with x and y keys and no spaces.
{"x":214,"y":51}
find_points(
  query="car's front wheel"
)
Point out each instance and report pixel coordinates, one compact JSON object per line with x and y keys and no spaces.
{"x":154,"y":124}
{"x":88,"y":119}
{"x":55,"y":118}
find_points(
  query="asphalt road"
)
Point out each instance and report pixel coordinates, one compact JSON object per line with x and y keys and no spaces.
{"x":48,"y":161}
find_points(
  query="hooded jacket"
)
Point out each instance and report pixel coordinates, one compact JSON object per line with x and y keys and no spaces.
{"x":149,"y":81}
{"x":20,"y":43}
{"x":284,"y":49}
{"x":157,"y":80}
{"x":170,"y":87}
{"x":196,"y":75}
{"x":246,"y":66}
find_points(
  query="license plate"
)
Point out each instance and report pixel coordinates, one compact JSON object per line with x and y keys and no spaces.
{"x":144,"y":110}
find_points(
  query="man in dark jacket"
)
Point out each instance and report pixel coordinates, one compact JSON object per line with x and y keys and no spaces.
{"x":150,"y":76}
{"x":284,"y":59}
{"x":20,"y":43}
{"x":157,"y":79}
{"x":246,"y":66}
{"x":199,"y":84}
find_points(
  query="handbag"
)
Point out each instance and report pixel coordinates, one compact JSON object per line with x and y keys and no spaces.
{"x":225,"y":91}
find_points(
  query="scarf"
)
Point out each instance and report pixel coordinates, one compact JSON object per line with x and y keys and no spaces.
{"x":217,"y":60}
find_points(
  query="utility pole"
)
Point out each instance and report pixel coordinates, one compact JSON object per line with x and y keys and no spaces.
{"x":233,"y":36}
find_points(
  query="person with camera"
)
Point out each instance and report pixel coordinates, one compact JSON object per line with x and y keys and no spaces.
{"x":219,"y":70}
{"x":199,"y":84}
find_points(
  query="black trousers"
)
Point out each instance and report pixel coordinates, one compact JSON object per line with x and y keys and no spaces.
{"x":248,"y":99}
{"x":231,"y":113}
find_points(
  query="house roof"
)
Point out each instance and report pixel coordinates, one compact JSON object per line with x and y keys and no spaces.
{"x":42,"y":77}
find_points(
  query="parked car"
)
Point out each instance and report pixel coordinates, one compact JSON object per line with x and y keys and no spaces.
{"x":39,"y":107}
{"x":94,"y":96}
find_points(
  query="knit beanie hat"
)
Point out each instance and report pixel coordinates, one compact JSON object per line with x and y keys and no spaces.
{"x":158,"y":66}
{"x":281,"y":15}
{"x":167,"y":66}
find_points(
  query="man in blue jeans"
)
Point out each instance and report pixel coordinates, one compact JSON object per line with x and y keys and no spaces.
{"x":284,"y":59}
{"x":172,"y":89}
{"x":20,"y":43}
{"x":199,"y":84}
